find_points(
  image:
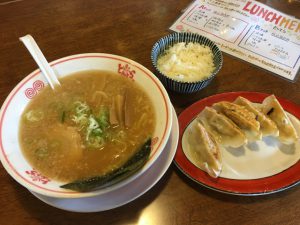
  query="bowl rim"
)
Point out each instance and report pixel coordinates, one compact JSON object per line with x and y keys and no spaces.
{"x":185,"y":35}
{"x":12,"y":171}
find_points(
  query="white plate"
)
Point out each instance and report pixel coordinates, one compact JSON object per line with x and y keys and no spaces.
{"x":127,"y":193}
{"x":255,"y":160}
{"x":259,"y":168}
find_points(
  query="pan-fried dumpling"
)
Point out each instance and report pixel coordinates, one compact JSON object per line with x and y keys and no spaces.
{"x":205,"y":148}
{"x":273,"y":109}
{"x":243,"y":118}
{"x":223,"y":129}
{"x":267,"y":126}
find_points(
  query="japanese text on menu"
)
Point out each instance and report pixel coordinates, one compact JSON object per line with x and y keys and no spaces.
{"x":248,"y":30}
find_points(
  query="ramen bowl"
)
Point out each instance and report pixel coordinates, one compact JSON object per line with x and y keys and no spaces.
{"x":182,"y":86}
{"x":11,"y":154}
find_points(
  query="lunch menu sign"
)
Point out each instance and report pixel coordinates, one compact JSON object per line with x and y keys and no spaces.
{"x":248,"y":30}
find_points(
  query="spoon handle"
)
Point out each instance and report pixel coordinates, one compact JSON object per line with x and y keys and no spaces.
{"x":40,"y":59}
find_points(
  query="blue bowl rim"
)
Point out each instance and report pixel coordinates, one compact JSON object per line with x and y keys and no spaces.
{"x":188,"y":34}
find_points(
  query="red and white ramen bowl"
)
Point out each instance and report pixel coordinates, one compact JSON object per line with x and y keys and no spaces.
{"x":10,"y":151}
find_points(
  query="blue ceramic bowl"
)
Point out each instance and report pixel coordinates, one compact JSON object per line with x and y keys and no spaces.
{"x":180,"y":86}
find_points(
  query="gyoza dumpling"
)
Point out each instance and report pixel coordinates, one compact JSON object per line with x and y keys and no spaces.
{"x":205,"y":149}
{"x":273,"y":109}
{"x":223,"y":129}
{"x":243,"y":118}
{"x":267,"y":126}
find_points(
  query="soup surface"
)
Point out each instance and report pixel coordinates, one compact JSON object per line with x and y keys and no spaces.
{"x":88,"y":127}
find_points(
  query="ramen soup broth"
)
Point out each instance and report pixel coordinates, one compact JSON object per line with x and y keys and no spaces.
{"x":88,"y":127}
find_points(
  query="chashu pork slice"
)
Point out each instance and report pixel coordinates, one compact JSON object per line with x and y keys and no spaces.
{"x":267,"y":126}
{"x":273,"y":109}
{"x":226,"y":132}
{"x":205,"y":149}
{"x":242,"y":117}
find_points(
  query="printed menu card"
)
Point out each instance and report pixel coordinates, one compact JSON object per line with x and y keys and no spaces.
{"x":248,"y":30}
